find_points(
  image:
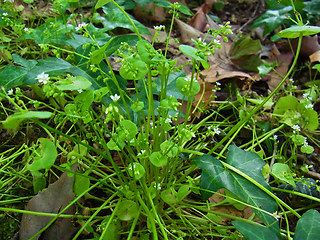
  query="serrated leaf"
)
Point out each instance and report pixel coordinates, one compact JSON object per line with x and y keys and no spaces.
{"x":215,"y":176}
{"x":254,"y":232}
{"x":308,"y":226}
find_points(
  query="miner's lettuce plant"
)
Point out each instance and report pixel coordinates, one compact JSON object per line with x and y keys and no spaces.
{"x":136,"y":144}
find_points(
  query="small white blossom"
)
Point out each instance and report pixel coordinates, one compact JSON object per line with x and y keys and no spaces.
{"x":306,"y":95}
{"x":43,"y":78}
{"x":81,"y":25}
{"x":168,"y":120}
{"x":80,"y":90}
{"x":5,"y":14}
{"x":275,"y":137}
{"x":218,"y":84}
{"x":157,"y":186}
{"x":159,"y":28}
{"x":309,"y":105}
{"x":296,"y":127}
{"x":291,"y":80}
{"x":115,"y":97}
{"x":188,"y":78}
{"x":10,"y":91}
{"x":216,"y":41}
{"x":216,"y":130}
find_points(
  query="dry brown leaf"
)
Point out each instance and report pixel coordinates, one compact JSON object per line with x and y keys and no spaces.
{"x":274,"y":78}
{"x":228,"y":209}
{"x":57,"y":196}
{"x":199,"y":20}
{"x":153,"y":12}
{"x":315,"y":57}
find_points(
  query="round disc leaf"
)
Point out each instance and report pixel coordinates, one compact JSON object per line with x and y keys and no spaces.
{"x":128,"y":210}
{"x":158,"y":159}
{"x":133,"y":69}
{"x":184,"y":86}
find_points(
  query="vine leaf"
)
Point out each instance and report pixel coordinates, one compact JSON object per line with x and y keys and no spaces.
{"x":308,"y":226}
{"x":216,"y":176}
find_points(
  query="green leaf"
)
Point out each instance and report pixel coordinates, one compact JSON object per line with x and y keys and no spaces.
{"x":158,"y":159}
{"x":133,"y":69}
{"x":296,"y":31}
{"x":190,"y":51}
{"x":45,"y":157}
{"x":272,"y":19}
{"x":73,"y":83}
{"x":12,"y":76}
{"x":183,"y":85}
{"x":127,"y":210}
{"x":81,"y":184}
{"x":244,"y":45}
{"x":169,"y":196}
{"x":100,"y":3}
{"x":136,"y":170}
{"x":308,"y":226}
{"x":216,"y":176}
{"x":254,"y":232}
{"x":114,"y":18}
{"x":13,"y":121}
{"x":283,"y":172}
{"x":84,"y":100}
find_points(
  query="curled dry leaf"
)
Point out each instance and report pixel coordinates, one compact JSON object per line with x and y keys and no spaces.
{"x":57,"y":196}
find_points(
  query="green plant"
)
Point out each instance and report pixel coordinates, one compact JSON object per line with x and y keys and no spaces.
{"x":135,"y":145}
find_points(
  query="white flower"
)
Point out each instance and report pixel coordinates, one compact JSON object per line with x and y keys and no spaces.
{"x":216,"y":41}
{"x":5,"y":14}
{"x":275,"y":137}
{"x":168,"y":120}
{"x":306,"y":95}
{"x":291,"y":80}
{"x":159,"y":28}
{"x":80,"y":90}
{"x":218,"y":84}
{"x":296,"y":127}
{"x":216,"y":130}
{"x":157,"y":186}
{"x":10,"y":91}
{"x":81,"y":25}
{"x":188,"y":78}
{"x":115,"y":97}
{"x":309,"y":106}
{"x":43,"y":78}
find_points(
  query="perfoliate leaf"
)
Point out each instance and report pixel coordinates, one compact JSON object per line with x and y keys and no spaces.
{"x":13,"y":121}
{"x":47,"y":154}
{"x":296,"y":31}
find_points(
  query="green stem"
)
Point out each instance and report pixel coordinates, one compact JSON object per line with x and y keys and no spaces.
{"x":231,"y":134}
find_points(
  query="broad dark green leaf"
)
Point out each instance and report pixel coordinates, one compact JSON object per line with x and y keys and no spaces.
{"x":308,"y":227}
{"x":114,"y":18}
{"x":215,"y":176}
{"x":12,"y":76}
{"x":272,"y":19}
{"x":253,"y":232}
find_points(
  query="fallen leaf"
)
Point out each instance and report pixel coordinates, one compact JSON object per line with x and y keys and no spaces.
{"x":228,"y":208}
{"x":57,"y":196}
{"x":199,"y":20}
